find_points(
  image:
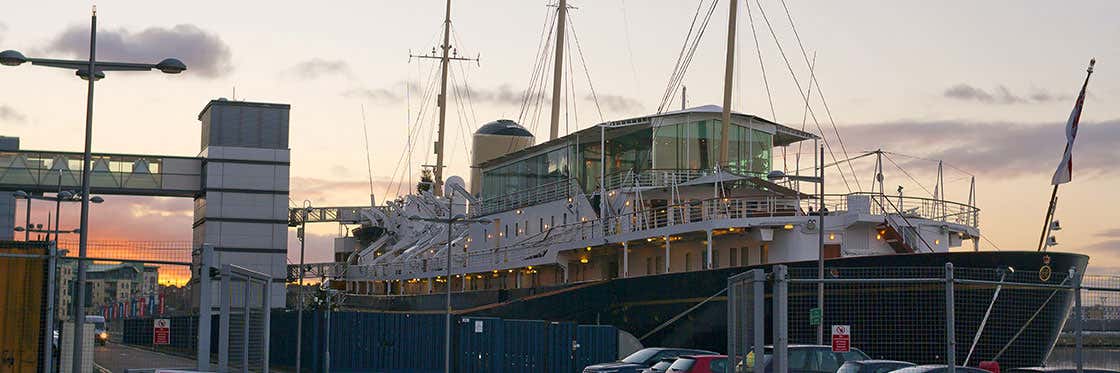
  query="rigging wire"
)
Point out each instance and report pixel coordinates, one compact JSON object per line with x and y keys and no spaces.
{"x":680,"y":54}
{"x":629,"y":49}
{"x":907,"y":173}
{"x":586,"y":71}
{"x":365,"y":138}
{"x":805,"y":113}
{"x":688,"y":50}
{"x":793,"y":75}
{"x":813,"y":81}
{"x":428,"y":91}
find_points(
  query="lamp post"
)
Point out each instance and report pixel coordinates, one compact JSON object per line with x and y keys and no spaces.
{"x":299,"y":316}
{"x":451,"y":221}
{"x":59,"y":197}
{"x":27,"y":219}
{"x":821,"y":212}
{"x":91,"y":70}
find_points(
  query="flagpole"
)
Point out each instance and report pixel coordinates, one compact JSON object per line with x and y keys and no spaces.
{"x":1075,"y":117}
{"x":1049,"y":215}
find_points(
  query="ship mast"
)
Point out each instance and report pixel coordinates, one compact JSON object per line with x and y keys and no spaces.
{"x":729,"y":70}
{"x":558,"y":70}
{"x":445,"y":57}
{"x":441,"y":101}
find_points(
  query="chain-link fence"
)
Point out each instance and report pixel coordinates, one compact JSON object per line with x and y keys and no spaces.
{"x":126,"y":285}
{"x":925,"y":315}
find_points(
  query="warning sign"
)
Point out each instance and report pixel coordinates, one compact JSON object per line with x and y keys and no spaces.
{"x":161,"y":332}
{"x":841,"y":338}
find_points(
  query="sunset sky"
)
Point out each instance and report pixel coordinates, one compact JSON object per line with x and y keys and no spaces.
{"x":984,"y":86}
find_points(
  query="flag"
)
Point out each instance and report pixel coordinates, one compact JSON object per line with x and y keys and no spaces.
{"x":1064,"y":173}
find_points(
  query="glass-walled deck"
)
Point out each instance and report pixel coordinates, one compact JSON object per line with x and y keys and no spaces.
{"x":693,"y":145}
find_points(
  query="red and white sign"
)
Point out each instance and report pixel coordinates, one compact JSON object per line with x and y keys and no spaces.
{"x":161,"y":332}
{"x":841,"y":338}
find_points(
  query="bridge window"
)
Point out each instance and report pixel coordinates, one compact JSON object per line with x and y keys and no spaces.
{"x":695,"y":146}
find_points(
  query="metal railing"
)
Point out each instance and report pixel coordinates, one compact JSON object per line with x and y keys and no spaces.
{"x":700,"y":211}
{"x":644,"y":220}
{"x":527,"y":197}
{"x":916,"y":207}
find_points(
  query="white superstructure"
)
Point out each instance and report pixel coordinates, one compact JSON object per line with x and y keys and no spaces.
{"x":664,"y":205}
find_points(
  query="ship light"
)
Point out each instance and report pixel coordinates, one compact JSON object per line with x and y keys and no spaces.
{"x":831,"y":236}
{"x":788,"y":227}
{"x":495,"y":271}
{"x":937,"y":242}
{"x":879,"y":236}
{"x":529,"y":268}
{"x":589,"y":248}
{"x":584,"y":260}
{"x":511,"y":271}
{"x":569,"y":199}
{"x":518,"y":212}
{"x":628,"y":202}
{"x":732,"y":229}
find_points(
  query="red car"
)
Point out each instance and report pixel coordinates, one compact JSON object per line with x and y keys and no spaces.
{"x":699,"y":364}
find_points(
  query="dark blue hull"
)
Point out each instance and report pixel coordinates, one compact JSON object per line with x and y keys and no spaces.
{"x":896,"y":321}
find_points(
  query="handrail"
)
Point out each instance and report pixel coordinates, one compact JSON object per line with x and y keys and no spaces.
{"x":526,"y":197}
{"x":693,"y":211}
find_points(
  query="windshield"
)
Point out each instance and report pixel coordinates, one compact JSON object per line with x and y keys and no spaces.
{"x":99,"y":325}
{"x":682,"y":365}
{"x":640,"y":357}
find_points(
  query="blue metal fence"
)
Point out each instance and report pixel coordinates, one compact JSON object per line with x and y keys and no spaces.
{"x":390,"y":343}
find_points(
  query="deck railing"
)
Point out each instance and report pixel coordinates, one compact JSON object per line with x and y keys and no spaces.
{"x":526,"y":197}
{"x":646,"y":220}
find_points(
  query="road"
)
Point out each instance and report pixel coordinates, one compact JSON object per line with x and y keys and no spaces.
{"x":116,"y":358}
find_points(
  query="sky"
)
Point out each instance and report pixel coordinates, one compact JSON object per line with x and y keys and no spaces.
{"x":984,"y":86}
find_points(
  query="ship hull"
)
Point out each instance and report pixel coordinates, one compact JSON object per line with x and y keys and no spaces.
{"x":897,"y":321}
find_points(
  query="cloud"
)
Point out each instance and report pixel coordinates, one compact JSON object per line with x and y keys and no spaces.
{"x":317,"y":67}
{"x":1000,"y":95}
{"x":1111,"y":233}
{"x":501,"y":95}
{"x":617,"y":103}
{"x":379,"y":95}
{"x":994,"y":148}
{"x":8,"y":114}
{"x":203,"y":52}
{"x":335,"y":192}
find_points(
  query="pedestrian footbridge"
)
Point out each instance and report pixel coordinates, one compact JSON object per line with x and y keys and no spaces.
{"x":36,"y":171}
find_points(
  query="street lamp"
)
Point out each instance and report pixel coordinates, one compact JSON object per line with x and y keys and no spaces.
{"x":454,"y":219}
{"x":83,"y":69}
{"x":821,"y":212}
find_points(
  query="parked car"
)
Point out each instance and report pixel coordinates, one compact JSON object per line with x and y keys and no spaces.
{"x":1058,"y":370}
{"x":803,"y":358}
{"x":100,"y":334}
{"x":661,"y":366}
{"x":939,"y":369}
{"x":643,"y":359}
{"x":873,"y":366}
{"x":699,"y":364}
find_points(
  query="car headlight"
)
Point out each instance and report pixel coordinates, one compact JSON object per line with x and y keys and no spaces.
{"x":103,"y":335}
